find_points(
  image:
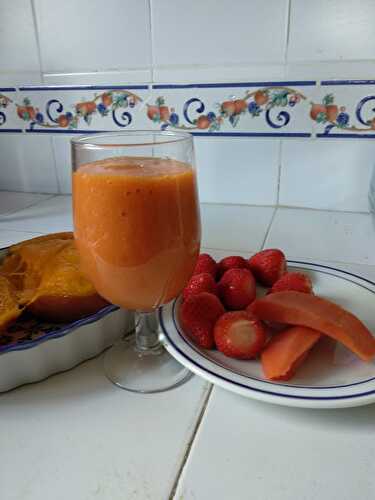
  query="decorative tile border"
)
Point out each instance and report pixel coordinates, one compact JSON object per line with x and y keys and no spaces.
{"x":329,"y":109}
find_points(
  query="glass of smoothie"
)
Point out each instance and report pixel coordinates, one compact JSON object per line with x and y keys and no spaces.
{"x":137,"y":230}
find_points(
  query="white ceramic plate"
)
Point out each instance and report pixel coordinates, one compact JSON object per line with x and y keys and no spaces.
{"x":331,"y":376}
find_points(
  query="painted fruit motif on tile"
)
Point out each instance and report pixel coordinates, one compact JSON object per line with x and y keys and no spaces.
{"x":107,"y":103}
{"x":258,"y":103}
{"x":335,"y":117}
{"x":4,"y":103}
{"x":345,"y":109}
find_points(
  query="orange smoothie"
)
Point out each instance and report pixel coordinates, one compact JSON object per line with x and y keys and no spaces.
{"x":137,"y":228}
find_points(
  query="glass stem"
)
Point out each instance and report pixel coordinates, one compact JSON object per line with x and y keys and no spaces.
{"x":146,"y":330}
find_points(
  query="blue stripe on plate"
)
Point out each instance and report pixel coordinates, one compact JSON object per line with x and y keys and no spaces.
{"x":265,"y":381}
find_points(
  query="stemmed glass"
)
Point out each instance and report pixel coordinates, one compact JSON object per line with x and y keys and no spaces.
{"x":137,"y":230}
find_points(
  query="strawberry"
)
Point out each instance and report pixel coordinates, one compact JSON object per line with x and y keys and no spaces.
{"x":198,"y":283}
{"x":237,"y":288}
{"x":198,"y":315}
{"x":206,"y":264}
{"x":232,"y":262}
{"x":268,"y":266}
{"x":239,"y":335}
{"x":297,"y":282}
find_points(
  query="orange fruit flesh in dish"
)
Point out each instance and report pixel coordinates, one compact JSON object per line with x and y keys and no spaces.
{"x":44,"y":274}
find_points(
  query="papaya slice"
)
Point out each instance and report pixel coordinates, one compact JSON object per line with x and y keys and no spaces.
{"x":286,"y":351}
{"x":296,"y":308}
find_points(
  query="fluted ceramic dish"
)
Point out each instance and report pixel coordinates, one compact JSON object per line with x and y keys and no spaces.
{"x":32,"y":350}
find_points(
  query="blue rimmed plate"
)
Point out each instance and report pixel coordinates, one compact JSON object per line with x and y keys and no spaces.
{"x":331,"y":376}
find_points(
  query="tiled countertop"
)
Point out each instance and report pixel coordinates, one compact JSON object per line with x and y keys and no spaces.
{"x":77,"y":436}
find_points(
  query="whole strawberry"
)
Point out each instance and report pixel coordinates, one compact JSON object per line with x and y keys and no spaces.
{"x":295,"y":281}
{"x":268,"y":266}
{"x":237,"y":288}
{"x":232,"y":262}
{"x":240,"y":335}
{"x":198,"y":283}
{"x":206,"y":264}
{"x":198,"y":315}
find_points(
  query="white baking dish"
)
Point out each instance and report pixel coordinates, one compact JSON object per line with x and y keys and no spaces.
{"x":59,"y":348}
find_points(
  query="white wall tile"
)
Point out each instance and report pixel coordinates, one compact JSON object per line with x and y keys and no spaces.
{"x":18,"y":47}
{"x":245,"y":227}
{"x":330,"y":174}
{"x":61,"y":149}
{"x":27,"y":163}
{"x":19,"y":78}
{"x":330,"y":236}
{"x":331,"y":30}
{"x":237,"y":170}
{"x":90,"y":35}
{"x":211,"y":74}
{"x":328,"y":70}
{"x":99,"y":78}
{"x":214,"y":32}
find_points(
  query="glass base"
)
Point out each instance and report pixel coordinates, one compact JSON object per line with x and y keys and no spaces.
{"x":145,"y":371}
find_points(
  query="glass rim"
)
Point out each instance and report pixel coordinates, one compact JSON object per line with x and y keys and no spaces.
{"x":88,"y":141}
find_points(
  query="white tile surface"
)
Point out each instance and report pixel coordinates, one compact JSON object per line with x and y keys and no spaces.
{"x":222,"y":33}
{"x":13,"y":201}
{"x":49,"y":216}
{"x":333,"y":30}
{"x":111,"y":444}
{"x":327,"y":174}
{"x":99,"y":77}
{"x":9,"y":237}
{"x":61,"y":149}
{"x":237,"y":170}
{"x":247,"y":449}
{"x":18,"y":78}
{"x":257,"y":72}
{"x":234,"y":227}
{"x":329,"y":70}
{"x":17,"y":37}
{"x":27,"y":163}
{"x":334,"y":236}
{"x":92,"y":36}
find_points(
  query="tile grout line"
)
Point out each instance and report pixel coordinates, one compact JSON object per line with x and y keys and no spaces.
{"x":12,"y":212}
{"x":151,"y":24}
{"x":190,"y":444}
{"x":268,"y":229}
{"x":288,"y":15}
{"x":58,"y":185}
{"x":35,"y":22}
{"x":279,"y":173}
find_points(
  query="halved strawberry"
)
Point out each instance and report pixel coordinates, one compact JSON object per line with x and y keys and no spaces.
{"x":198,"y":315}
{"x":239,"y":335}
{"x":231,"y":262}
{"x":198,"y":283}
{"x":268,"y":266}
{"x":237,"y":288}
{"x":206,"y":264}
{"x":295,"y":281}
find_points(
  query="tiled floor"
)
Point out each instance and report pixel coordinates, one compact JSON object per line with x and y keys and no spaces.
{"x":134,"y":446}
{"x":319,"y":234}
